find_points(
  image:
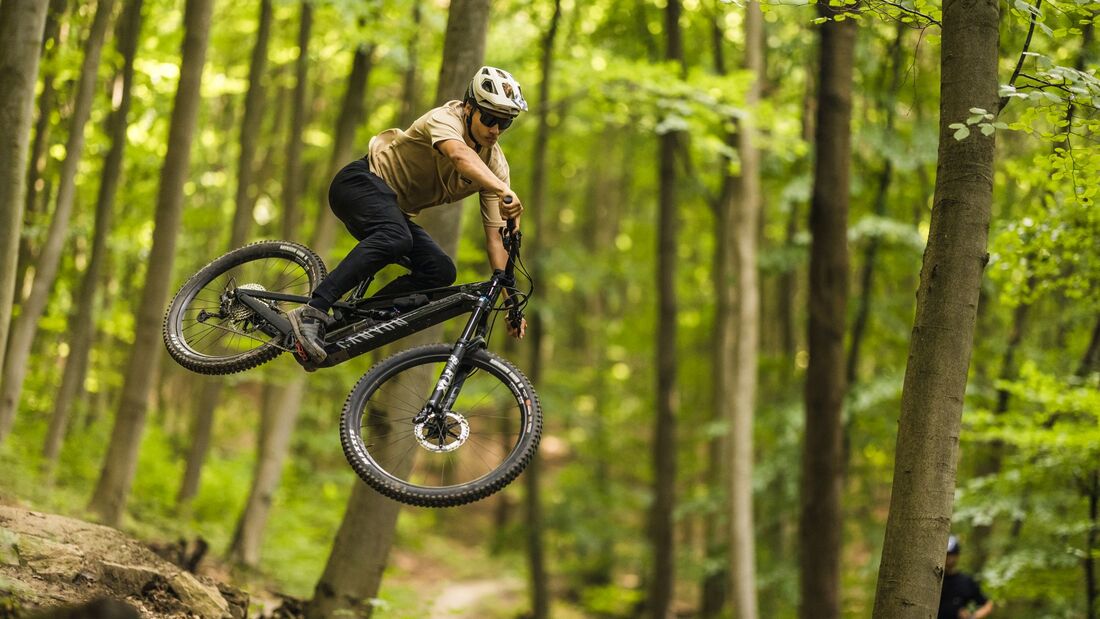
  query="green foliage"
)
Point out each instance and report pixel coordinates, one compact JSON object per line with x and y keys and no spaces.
{"x":1038,"y":502}
{"x":611,"y":96}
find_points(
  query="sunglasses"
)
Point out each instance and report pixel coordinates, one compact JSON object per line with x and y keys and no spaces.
{"x":490,"y":120}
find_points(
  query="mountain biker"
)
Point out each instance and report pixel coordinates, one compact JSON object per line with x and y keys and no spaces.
{"x":446,"y":155}
{"x":960,"y":592}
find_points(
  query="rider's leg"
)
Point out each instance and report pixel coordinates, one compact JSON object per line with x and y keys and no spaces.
{"x":431,"y":266}
{"x":368,"y":208}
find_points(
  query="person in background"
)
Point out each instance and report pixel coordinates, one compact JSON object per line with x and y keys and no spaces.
{"x":961,"y":597}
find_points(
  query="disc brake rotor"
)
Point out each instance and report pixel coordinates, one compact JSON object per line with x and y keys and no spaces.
{"x":443,"y":435}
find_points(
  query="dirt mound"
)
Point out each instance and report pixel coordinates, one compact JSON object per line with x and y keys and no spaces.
{"x":49,"y":561}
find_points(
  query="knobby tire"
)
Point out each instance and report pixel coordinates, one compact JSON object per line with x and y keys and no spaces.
{"x":380,"y":468}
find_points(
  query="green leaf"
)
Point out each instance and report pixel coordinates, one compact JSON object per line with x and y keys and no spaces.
{"x":962,"y":133}
{"x":987,"y":129}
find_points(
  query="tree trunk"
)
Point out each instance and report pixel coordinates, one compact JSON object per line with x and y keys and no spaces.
{"x":84,"y":315}
{"x":25,"y":326}
{"x":292,"y":182}
{"x":353,"y":573}
{"x":1090,"y":483}
{"x":822,"y":460}
{"x":250,"y":130}
{"x":202,"y":428}
{"x":911,"y":570}
{"x":662,"y":537}
{"x":21,"y":26}
{"x":41,"y":143}
{"x":1092,"y":537}
{"x":463,"y":51}
{"x":410,"y":82}
{"x":280,"y":415}
{"x":282,"y":407}
{"x":870,"y":254}
{"x":715,"y":588}
{"x":746,"y":226}
{"x":538,"y":587}
{"x":113,"y":488}
{"x":351,"y":116}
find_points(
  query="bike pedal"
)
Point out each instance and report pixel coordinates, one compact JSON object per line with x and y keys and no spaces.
{"x":302,"y":357}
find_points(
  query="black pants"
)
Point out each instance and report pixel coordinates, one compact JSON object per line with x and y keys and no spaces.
{"x":368,"y":208}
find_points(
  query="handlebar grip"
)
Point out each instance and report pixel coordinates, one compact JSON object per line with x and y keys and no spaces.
{"x":510,"y":222}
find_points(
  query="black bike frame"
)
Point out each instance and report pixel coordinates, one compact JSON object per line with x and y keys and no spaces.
{"x":477,"y":299}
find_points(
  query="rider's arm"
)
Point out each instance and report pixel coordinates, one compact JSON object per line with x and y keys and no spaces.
{"x":472,"y":167}
{"x":494,"y":247}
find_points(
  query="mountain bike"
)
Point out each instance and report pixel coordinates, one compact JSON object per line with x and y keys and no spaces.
{"x":437,"y":425}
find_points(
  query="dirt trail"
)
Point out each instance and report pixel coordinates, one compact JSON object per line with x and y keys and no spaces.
{"x":464,"y":599}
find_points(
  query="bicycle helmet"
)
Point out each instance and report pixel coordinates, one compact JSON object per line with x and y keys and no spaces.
{"x":953,"y":545}
{"x":497,"y":92}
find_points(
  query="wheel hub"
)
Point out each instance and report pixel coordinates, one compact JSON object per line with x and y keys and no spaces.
{"x":441,"y":435}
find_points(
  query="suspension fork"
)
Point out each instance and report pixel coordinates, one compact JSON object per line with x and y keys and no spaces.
{"x":451,"y":379}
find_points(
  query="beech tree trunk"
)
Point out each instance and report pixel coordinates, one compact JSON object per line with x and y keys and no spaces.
{"x":250,"y":130}
{"x":40,"y":144}
{"x":113,"y":488}
{"x":463,"y":51}
{"x":823,"y":457}
{"x":410,"y":82}
{"x":292,"y":181}
{"x":921,"y":503}
{"x":202,"y":426}
{"x":538,"y":585}
{"x":886,"y":177}
{"x":25,"y":326}
{"x":353,"y":573}
{"x":352,"y":114}
{"x":742,"y":403}
{"x":280,"y":414}
{"x":84,"y":315}
{"x":21,"y":26}
{"x":662,"y":531}
{"x":284,"y":402}
{"x":714,"y":591}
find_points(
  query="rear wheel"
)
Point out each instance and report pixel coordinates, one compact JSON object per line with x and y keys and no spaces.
{"x":483,"y":441}
{"x":209,"y":331}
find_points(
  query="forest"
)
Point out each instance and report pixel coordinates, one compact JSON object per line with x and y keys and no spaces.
{"x":816,"y":285}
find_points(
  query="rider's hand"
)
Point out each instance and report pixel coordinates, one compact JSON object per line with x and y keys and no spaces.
{"x":519,"y":332}
{"x":512,"y":210}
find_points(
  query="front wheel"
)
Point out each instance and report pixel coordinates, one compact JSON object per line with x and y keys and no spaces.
{"x":209,"y":331}
{"x":482,"y":441}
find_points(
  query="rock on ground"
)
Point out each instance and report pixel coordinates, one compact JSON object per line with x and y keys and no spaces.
{"x":49,"y":561}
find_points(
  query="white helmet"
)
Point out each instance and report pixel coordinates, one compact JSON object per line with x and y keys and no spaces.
{"x":496,"y":91}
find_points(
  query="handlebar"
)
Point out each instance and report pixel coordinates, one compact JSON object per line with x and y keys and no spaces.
{"x":511,"y":243}
{"x":510,"y":222}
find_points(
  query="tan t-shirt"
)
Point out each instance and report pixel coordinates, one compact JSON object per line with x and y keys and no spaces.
{"x":422,"y":176}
